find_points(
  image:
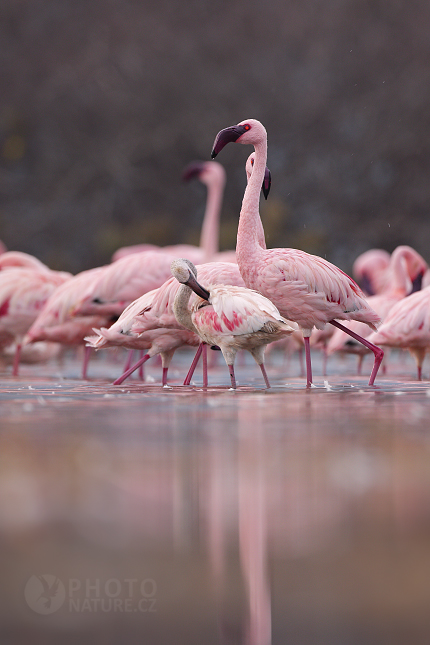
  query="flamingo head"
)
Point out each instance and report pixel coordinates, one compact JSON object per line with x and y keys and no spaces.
{"x":267,"y":182}
{"x":365,"y":283}
{"x":414,"y":265}
{"x":417,"y":267}
{"x":186,"y":273}
{"x":417,"y":282}
{"x":210,"y":173}
{"x":193,"y":170}
{"x":249,"y":131}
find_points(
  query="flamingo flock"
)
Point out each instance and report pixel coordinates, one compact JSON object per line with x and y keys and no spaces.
{"x":155,"y":300}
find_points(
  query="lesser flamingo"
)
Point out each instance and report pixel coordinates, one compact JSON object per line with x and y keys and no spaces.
{"x":407,"y":326}
{"x":406,"y":269}
{"x":153,"y":312}
{"x":23,"y":293}
{"x":229,"y":317}
{"x":306,"y":288}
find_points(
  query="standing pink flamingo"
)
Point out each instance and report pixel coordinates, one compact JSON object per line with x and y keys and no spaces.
{"x":55,"y":321}
{"x":407,"y":326}
{"x":23,"y":293}
{"x":405,"y":271}
{"x":149,"y":322}
{"x":156,"y":341}
{"x":306,"y":289}
{"x":228,"y":317}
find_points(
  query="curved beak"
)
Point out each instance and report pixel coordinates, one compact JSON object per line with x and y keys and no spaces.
{"x":192,"y":170}
{"x":366,"y":285}
{"x":417,"y":283}
{"x":197,"y":288}
{"x":267,"y":182}
{"x":228,"y":135}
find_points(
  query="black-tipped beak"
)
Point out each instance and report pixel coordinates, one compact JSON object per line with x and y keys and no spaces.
{"x":192,"y":170}
{"x":417,"y":283}
{"x":366,"y":285}
{"x":228,"y":135}
{"x":267,"y":182}
{"x":197,"y":288}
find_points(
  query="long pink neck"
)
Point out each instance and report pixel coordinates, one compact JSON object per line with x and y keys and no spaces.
{"x":400,"y":283}
{"x":250,"y":233}
{"x":209,"y":238}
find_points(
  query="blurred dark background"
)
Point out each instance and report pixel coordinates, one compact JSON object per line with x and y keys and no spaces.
{"x":103,"y":102}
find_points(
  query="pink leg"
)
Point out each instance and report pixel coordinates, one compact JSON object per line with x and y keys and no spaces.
{"x":360,"y":365}
{"x":193,"y":364}
{"x":141,"y":368}
{"x":266,"y":380}
{"x":164,"y":378}
{"x":308,"y":362}
{"x":420,"y":373}
{"x":232,"y":376}
{"x":126,"y":374}
{"x":377,"y":351}
{"x":205,"y":365}
{"x":16,"y":358}
{"x":87,"y":354}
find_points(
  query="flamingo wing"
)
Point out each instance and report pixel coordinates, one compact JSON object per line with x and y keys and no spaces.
{"x":311,"y":290}
{"x":236,"y":311}
{"x":408,"y":322}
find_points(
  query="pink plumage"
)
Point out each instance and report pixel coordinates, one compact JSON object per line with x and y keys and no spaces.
{"x":370,"y":271}
{"x":56,"y":321}
{"x":153,"y":312}
{"x":408,"y":326}
{"x":229,"y":317}
{"x":404,"y":267}
{"x":121,"y":282}
{"x":305,"y":288}
{"x":19,"y":259}
{"x":23,"y":294}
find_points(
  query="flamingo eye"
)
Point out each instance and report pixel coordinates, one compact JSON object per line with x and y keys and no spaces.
{"x":247,"y":127}
{"x":252,"y":162}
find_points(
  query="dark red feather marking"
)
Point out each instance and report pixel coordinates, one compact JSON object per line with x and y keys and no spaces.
{"x":4,"y":308}
{"x":211,"y":318}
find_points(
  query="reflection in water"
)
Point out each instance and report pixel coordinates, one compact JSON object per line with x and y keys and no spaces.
{"x":260,"y":517}
{"x":253,"y":526}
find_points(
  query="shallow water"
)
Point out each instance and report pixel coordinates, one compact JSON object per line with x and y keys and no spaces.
{"x":184,"y":515}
